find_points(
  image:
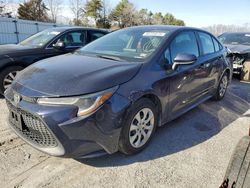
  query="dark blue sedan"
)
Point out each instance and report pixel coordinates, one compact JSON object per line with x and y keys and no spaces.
{"x":112,"y":94}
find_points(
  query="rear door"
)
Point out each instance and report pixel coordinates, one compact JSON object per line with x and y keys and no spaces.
{"x":211,"y":58}
{"x":94,"y":34}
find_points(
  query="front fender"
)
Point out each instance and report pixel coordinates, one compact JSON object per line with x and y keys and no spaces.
{"x":5,"y":62}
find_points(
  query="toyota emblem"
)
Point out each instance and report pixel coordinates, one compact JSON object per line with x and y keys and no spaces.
{"x":17,"y":98}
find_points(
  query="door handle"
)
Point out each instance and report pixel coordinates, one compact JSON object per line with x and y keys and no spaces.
{"x":205,"y":65}
{"x":202,"y":65}
{"x":220,"y":57}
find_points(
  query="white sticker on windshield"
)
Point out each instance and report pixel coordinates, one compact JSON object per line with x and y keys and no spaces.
{"x":247,"y":35}
{"x":154,"y":34}
{"x":54,"y":32}
{"x":143,"y":55}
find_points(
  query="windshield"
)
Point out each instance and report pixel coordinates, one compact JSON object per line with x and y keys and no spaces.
{"x":41,"y":38}
{"x":128,"y":44}
{"x":235,"y":38}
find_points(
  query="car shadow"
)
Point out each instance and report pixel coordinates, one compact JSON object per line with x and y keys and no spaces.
{"x":195,"y":127}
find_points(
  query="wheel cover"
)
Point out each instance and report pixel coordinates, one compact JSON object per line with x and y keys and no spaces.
{"x":223,"y":86}
{"x":9,"y":78}
{"x":141,"y":127}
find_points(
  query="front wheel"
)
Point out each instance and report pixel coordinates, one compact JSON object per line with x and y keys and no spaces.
{"x":7,"y":76}
{"x":139,"y":127}
{"x":222,"y":88}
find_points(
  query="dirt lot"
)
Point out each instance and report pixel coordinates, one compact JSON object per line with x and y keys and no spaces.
{"x":192,"y":151}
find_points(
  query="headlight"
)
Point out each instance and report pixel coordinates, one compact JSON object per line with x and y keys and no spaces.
{"x":86,"y":104}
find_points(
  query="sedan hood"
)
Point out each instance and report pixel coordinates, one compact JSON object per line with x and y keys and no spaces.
{"x":72,"y":74}
{"x":240,"y":49}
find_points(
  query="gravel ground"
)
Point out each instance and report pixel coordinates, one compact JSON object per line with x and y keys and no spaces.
{"x":192,"y":151}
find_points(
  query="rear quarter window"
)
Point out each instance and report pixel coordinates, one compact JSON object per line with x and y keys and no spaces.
{"x":216,"y":45}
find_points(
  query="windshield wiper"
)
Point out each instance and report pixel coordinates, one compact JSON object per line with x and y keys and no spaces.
{"x":114,"y":58}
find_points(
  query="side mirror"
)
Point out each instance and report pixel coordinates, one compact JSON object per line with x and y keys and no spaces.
{"x":60,"y":45}
{"x":183,"y":59}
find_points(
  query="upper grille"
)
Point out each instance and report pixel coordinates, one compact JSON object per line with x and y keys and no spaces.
{"x":33,"y":129}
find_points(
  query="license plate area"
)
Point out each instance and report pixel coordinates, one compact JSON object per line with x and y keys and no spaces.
{"x":16,"y":120}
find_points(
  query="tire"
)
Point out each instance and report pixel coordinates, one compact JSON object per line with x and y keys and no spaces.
{"x":6,"y":74}
{"x":129,"y":140}
{"x":221,"y":88}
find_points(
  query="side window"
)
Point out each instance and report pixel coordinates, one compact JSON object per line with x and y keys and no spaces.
{"x":184,"y":43}
{"x":73,"y":39}
{"x":206,"y":43}
{"x":93,"y":35}
{"x":216,"y":45}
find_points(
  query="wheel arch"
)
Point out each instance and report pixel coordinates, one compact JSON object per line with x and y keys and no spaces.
{"x":155,"y":99}
{"x":4,"y":72}
{"x":12,"y":64}
{"x":227,"y":71}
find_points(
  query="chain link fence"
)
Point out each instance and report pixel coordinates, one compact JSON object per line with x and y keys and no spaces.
{"x":13,"y":31}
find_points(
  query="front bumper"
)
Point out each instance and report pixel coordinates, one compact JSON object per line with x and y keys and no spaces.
{"x":57,"y":130}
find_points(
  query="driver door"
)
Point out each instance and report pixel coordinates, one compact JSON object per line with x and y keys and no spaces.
{"x":72,"y":41}
{"x":186,"y":82}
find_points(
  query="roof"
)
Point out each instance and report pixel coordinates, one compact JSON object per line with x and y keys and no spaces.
{"x":167,"y":27}
{"x":64,"y":28}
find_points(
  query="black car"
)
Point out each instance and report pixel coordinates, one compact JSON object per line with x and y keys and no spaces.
{"x":48,"y":43}
{"x":112,"y":94}
{"x":238,"y":44}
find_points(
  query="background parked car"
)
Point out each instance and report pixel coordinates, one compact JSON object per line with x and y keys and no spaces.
{"x":112,"y":94}
{"x":238,"y":45}
{"x":48,"y":43}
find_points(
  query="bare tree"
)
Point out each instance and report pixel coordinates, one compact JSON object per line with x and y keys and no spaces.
{"x":106,"y":9}
{"x":220,"y":28}
{"x":2,"y":7}
{"x":76,"y":7}
{"x":54,"y":8}
{"x":5,"y":10}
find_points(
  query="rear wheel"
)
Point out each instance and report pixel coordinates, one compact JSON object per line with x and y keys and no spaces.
{"x":139,"y":127}
{"x":222,"y":88}
{"x":7,"y":76}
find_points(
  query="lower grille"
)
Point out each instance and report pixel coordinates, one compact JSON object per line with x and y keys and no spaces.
{"x":31,"y":127}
